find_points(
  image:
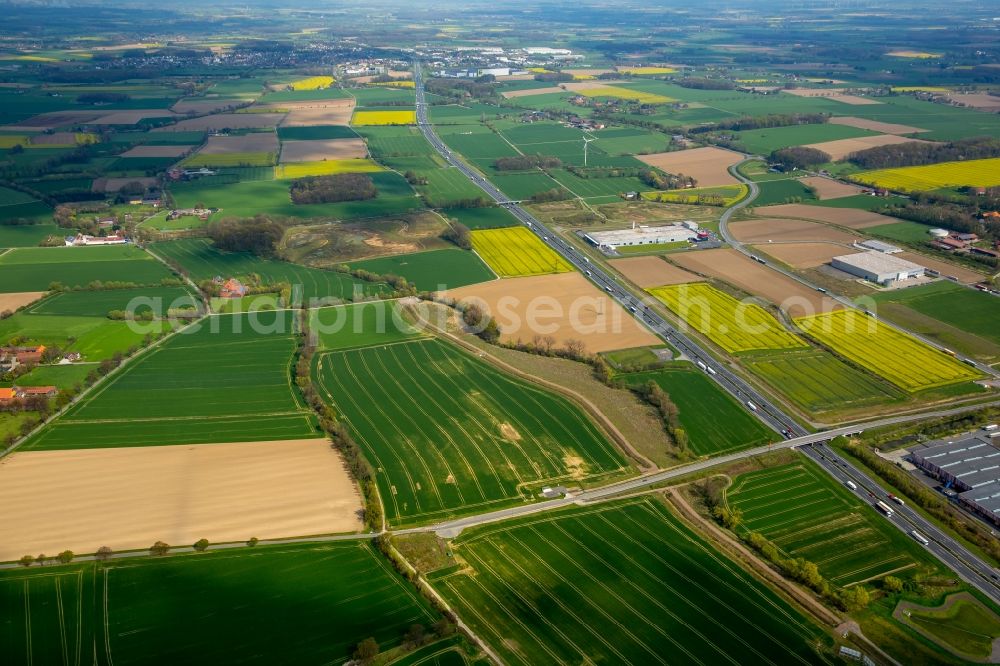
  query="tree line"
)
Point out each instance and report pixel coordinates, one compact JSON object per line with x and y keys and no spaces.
{"x":526,"y":162}
{"x":917,"y":154}
{"x":333,"y":188}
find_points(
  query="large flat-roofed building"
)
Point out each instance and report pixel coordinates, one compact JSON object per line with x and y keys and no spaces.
{"x":970,"y":466}
{"x":641,"y":235}
{"x":878,"y":267}
{"x":878,"y":246}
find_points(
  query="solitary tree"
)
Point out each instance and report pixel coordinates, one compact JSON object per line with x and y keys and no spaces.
{"x":892,"y":584}
{"x":65,"y":557}
{"x":159,"y":548}
{"x":26,"y":560}
{"x":41,"y":559}
{"x":104,"y":553}
{"x":366,"y":651}
{"x":201,"y":545}
{"x":252,"y":541}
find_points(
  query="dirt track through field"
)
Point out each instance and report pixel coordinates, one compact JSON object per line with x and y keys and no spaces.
{"x":782,"y":230}
{"x":128,"y":498}
{"x":737,"y":269}
{"x":652,"y":272}
{"x":841,"y":148}
{"x":827,"y":188}
{"x":852,"y":218}
{"x":17,"y":300}
{"x":875,"y":125}
{"x":708,"y":166}
{"x":322,"y":149}
{"x":804,"y":255}
{"x":565,"y":306}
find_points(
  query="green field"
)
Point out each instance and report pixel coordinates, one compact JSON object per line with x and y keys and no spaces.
{"x":227,"y":379}
{"x":619,"y":583}
{"x":763,"y":141}
{"x":482,"y":218}
{"x":449,"y":434}
{"x":204,"y":262}
{"x":316,"y":132}
{"x":96,"y":338}
{"x":433,"y":270}
{"x":360,"y":325}
{"x":445,"y":187}
{"x":26,"y":235}
{"x":789,"y":190}
{"x":597,"y":187}
{"x":281,"y":604}
{"x":962,"y":623}
{"x":60,"y":376}
{"x":903,"y":231}
{"x":98,"y":303}
{"x":817,"y":381}
{"x":713,"y":420}
{"x":35,"y":269}
{"x":807,"y":514}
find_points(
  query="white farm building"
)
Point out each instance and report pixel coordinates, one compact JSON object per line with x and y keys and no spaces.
{"x":640,"y":235}
{"x":878,"y":267}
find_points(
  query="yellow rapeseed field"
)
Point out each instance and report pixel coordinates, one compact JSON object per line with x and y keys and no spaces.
{"x":733,"y":325}
{"x":971,"y":173}
{"x":639,"y":71}
{"x":384,"y":118}
{"x":900,"y":358}
{"x":922,"y":55}
{"x":625,"y":93}
{"x":325,"y":168}
{"x":516,"y":251}
{"x":312,"y":83}
{"x":11,"y":140}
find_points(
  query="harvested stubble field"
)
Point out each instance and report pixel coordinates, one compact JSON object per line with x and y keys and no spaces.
{"x":225,"y":121}
{"x":449,"y":434}
{"x":827,"y":188}
{"x":282,"y":489}
{"x":841,"y":148}
{"x":652,"y":272}
{"x":807,"y":514}
{"x":788,"y":230}
{"x":729,"y":323}
{"x":13,"y":301}
{"x":516,"y":251}
{"x":319,"y":599}
{"x":730,"y":265}
{"x":875,"y":125}
{"x":852,"y":218}
{"x":972,"y":173}
{"x":708,"y":166}
{"x":204,"y":262}
{"x":566,"y":307}
{"x":903,"y":360}
{"x":819,"y":382}
{"x":625,"y":582}
{"x":226,"y":379}
{"x":331,"y":149}
{"x":35,"y":269}
{"x":804,"y":255}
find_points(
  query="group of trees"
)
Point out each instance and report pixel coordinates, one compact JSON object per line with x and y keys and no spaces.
{"x":458,"y":234}
{"x":526,"y":162}
{"x":665,"y":181}
{"x":701,"y":83}
{"x":917,"y":154}
{"x":762,"y":122}
{"x":333,"y":188}
{"x":798,"y":157}
{"x":554,"y":77}
{"x":483,"y":87}
{"x":102,"y":98}
{"x":554,"y":194}
{"x":260,"y":235}
{"x":654,"y":394}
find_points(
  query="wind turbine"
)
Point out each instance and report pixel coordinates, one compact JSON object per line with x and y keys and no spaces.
{"x":586,"y":143}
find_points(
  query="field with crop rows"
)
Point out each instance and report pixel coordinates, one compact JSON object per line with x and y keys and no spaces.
{"x":204,"y":262}
{"x":34,"y":269}
{"x":807,"y":514}
{"x":729,"y":323}
{"x":903,"y":360}
{"x":972,"y":173}
{"x":516,"y":251}
{"x":432,"y":270}
{"x":98,"y":303}
{"x":713,"y":420}
{"x":408,"y":117}
{"x":360,"y":325}
{"x":194,"y":609}
{"x":230,"y":160}
{"x":620,"y":583}
{"x":818,"y":381}
{"x":451,"y":435}
{"x":228,"y":378}
{"x":325,"y":168}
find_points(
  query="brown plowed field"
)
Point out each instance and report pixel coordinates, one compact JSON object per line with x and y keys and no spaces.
{"x":852,"y":218}
{"x":835,"y":94}
{"x":131,"y":117}
{"x":781,"y":230}
{"x":255,"y":142}
{"x":318,"y":150}
{"x":510,"y":94}
{"x":827,"y":188}
{"x":755,"y":278}
{"x":983,"y":101}
{"x":566,"y":306}
{"x":225,"y":121}
{"x":128,"y":498}
{"x":841,"y":148}
{"x":875,"y":125}
{"x":18,"y":299}
{"x":156,"y":151}
{"x":322,"y":112}
{"x":652,"y":272}
{"x":964,"y":275}
{"x":708,"y":166}
{"x":804,"y":255}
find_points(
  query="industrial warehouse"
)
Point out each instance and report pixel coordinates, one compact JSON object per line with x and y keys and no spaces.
{"x":878,"y":267}
{"x":646,"y":235}
{"x":969,"y":466}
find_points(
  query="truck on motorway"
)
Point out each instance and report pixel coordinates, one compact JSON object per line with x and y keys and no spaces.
{"x":702,"y":365}
{"x":990,"y":427}
{"x":920,"y":538}
{"x":752,"y":406}
{"x":897,"y":500}
{"x":884,"y":508}
{"x":850,"y":484}
{"x":711,"y":370}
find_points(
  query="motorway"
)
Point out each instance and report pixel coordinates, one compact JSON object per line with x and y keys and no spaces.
{"x":731,"y":383}
{"x":967,"y":565}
